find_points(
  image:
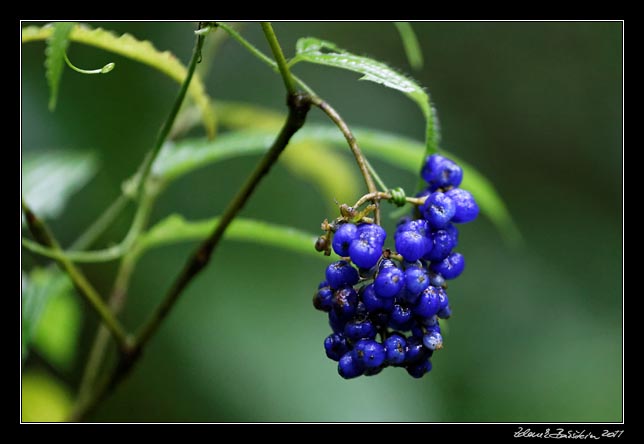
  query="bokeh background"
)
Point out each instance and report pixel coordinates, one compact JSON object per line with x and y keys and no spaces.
{"x":537,"y":328}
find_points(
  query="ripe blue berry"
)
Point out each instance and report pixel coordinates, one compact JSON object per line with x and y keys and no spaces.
{"x":466,"y":207}
{"x":372,"y":231}
{"x":373,"y":302}
{"x":416,"y":280}
{"x":349,"y":367}
{"x":345,"y":303}
{"x":438,"y":209}
{"x":369,"y":353}
{"x":412,"y":245}
{"x":341,"y":274}
{"x":442,"y":244}
{"x":450,"y":267}
{"x":395,"y":346}
{"x":343,"y":237}
{"x":389,"y":282}
{"x":401,"y":317}
{"x":357,"y":329}
{"x":441,"y":172}
{"x":433,"y":340}
{"x":419,"y":369}
{"x":335,"y":346}
{"x":323,"y":299}
{"x":416,"y":351}
{"x":365,"y":252}
{"x":444,"y":313}
{"x":428,"y":303}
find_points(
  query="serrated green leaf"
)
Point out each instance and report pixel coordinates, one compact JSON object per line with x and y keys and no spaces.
{"x":142,"y":51}
{"x":39,"y":288}
{"x":175,"y":228}
{"x":57,"y":44}
{"x":44,"y":398}
{"x":410,"y":43}
{"x":322,"y":52}
{"x":49,"y":178}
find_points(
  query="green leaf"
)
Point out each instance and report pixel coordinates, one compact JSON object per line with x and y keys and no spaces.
{"x":39,"y":288}
{"x":323,"y":52}
{"x":44,"y":399}
{"x":141,"y":51}
{"x":410,"y":43}
{"x":175,"y":229}
{"x":49,"y":178}
{"x":57,"y":44}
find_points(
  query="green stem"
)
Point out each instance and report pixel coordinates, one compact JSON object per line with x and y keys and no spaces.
{"x":169,"y":122}
{"x":43,"y":235}
{"x":289,"y":83}
{"x":376,"y":176}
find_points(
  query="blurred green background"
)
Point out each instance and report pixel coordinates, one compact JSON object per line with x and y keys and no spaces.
{"x":537,"y":330}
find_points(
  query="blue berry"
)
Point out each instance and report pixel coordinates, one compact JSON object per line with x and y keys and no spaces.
{"x":345,"y":302}
{"x":357,"y":329}
{"x":365,"y":252}
{"x":438,"y":209}
{"x":442,"y":244}
{"x":444,"y":313}
{"x":419,"y":369}
{"x":428,"y":303}
{"x":433,"y":340}
{"x":373,"y":302}
{"x":412,"y":245}
{"x":389,"y":282}
{"x":369,"y":353}
{"x":401,"y":317}
{"x":395,"y":346}
{"x":441,"y":172}
{"x":466,"y":207}
{"x":349,"y":367}
{"x":416,"y":351}
{"x":335,"y":346}
{"x":372,"y":231}
{"x":436,"y":279}
{"x":450,"y":267}
{"x":341,"y":274}
{"x":336,"y":322}
{"x":344,"y":235}
{"x":416,"y":280}
{"x":323,"y":299}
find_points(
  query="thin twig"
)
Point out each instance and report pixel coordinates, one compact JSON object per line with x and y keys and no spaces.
{"x":355,"y":149}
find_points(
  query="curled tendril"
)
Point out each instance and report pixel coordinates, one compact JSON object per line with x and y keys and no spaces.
{"x":398,"y":197}
{"x":104,"y":70}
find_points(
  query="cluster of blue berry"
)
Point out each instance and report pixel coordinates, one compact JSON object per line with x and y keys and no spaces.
{"x":391,"y":293}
